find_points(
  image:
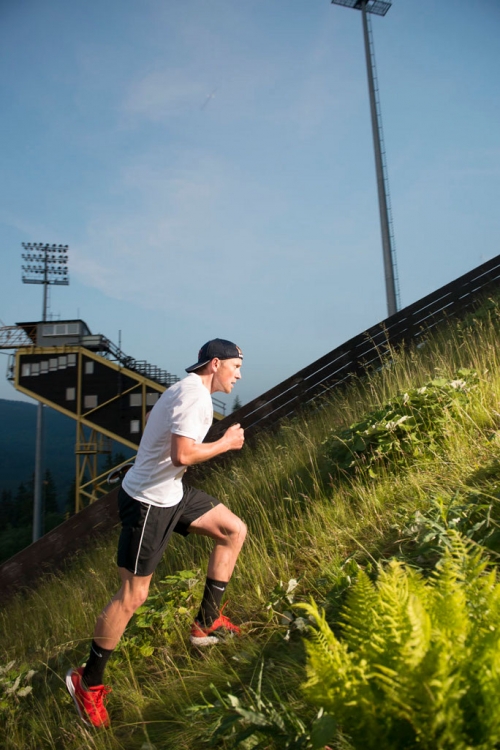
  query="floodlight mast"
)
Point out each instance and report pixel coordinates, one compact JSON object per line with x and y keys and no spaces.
{"x":380,"y":8}
{"x":47,"y":265}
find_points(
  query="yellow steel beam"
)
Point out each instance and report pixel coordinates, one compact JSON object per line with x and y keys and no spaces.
{"x":69,"y":349}
{"x":81,"y":416}
{"x":83,"y":421}
{"x":110,"y":400}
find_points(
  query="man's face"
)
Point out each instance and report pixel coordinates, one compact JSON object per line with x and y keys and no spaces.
{"x":227,"y":372}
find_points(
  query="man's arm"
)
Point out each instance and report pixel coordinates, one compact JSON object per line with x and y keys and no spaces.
{"x":186,"y":452}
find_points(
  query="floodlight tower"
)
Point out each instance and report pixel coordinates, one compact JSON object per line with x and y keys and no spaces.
{"x":380,"y":8}
{"x":47,"y":265}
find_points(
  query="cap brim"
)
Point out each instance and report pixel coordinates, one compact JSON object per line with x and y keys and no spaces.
{"x":198,"y":365}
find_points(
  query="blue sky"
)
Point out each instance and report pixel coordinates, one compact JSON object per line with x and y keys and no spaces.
{"x":210,"y":165}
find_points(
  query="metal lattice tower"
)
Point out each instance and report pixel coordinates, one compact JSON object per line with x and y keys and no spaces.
{"x":380,"y":8}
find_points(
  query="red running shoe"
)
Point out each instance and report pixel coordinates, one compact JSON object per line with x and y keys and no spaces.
{"x":89,"y":703}
{"x":221,"y":629}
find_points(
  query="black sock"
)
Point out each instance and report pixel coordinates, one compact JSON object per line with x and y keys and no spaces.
{"x":93,"y":672}
{"x":210,"y":604}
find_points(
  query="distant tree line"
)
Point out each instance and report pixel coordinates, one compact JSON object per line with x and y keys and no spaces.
{"x":16,"y":514}
{"x":16,"y":510}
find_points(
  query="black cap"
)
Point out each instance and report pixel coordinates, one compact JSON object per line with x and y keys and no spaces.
{"x":220,"y":348}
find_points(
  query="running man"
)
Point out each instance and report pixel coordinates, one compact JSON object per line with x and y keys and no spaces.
{"x":153,"y":502}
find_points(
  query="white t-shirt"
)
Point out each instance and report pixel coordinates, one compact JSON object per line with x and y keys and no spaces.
{"x":183,"y":409}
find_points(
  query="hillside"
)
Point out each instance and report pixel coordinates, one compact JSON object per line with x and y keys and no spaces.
{"x":382,"y":507}
{"x":17,"y":445}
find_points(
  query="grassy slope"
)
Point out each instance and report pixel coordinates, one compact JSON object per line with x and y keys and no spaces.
{"x":301,"y":526}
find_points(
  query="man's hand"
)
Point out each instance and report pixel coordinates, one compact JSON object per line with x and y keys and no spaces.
{"x":186,"y":452}
{"x":234,"y":437}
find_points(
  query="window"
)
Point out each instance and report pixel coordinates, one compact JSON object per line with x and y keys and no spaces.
{"x":25,"y":371}
{"x":44,"y":367}
{"x":70,"y":394}
{"x":62,"y":362}
{"x":61,"y":329}
{"x":71,"y":360}
{"x":136,"y":399}
{"x":53,"y":364}
{"x":90,"y":402}
{"x":152,"y":398}
{"x":35,"y":368}
{"x":89,"y":368}
{"x":135,"y":426}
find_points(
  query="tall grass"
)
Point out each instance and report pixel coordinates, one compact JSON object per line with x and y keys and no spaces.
{"x":304,"y":524}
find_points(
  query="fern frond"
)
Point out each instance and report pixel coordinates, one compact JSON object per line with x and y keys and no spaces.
{"x":326,"y":654}
{"x":360,"y":623}
{"x":419,"y":635}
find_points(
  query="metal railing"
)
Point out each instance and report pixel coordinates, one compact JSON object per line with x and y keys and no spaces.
{"x":15,"y":337}
{"x":356,"y":355}
{"x":141,"y":367}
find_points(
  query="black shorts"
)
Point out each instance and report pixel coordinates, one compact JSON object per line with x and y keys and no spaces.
{"x":147,"y":528}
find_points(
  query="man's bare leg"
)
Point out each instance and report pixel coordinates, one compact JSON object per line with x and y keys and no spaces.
{"x":115,"y":617}
{"x":85,"y":684}
{"x":229,"y":532}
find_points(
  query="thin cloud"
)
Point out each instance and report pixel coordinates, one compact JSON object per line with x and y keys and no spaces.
{"x":164,"y":94}
{"x":195,"y":229}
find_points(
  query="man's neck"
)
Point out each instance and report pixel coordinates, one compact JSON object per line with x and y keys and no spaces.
{"x":207,"y":380}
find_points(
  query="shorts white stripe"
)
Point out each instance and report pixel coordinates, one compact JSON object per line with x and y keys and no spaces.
{"x":140,"y":543}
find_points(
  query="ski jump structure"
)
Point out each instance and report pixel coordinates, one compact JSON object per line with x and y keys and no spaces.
{"x":131,"y":390}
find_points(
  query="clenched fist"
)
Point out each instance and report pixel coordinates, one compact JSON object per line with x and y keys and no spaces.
{"x":234,"y":437}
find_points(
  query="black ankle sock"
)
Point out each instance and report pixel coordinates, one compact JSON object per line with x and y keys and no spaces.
{"x":93,"y":672}
{"x":210,"y":604}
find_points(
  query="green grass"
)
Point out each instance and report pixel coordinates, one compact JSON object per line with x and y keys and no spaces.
{"x":306,"y":522}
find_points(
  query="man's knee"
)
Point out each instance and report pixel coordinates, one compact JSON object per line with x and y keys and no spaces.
{"x":132,"y":602}
{"x":222,"y":525}
{"x":237,"y":531}
{"x":133,"y":594}
{"x":230,"y":531}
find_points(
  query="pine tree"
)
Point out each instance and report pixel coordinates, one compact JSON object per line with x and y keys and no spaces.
{"x":6,"y":509}
{"x":23,"y":505}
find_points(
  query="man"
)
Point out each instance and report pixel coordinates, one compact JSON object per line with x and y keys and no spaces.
{"x":153,"y":503}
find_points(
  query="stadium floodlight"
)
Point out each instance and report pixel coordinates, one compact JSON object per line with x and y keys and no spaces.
{"x":379,"y":8}
{"x":44,"y":264}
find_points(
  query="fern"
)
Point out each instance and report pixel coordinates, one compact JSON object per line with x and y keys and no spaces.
{"x":418,"y":663}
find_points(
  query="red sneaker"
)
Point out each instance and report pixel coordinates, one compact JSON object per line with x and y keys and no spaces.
{"x":89,"y":703}
{"x":221,"y":629}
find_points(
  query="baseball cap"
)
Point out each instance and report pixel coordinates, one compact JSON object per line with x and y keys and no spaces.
{"x":220,"y":348}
